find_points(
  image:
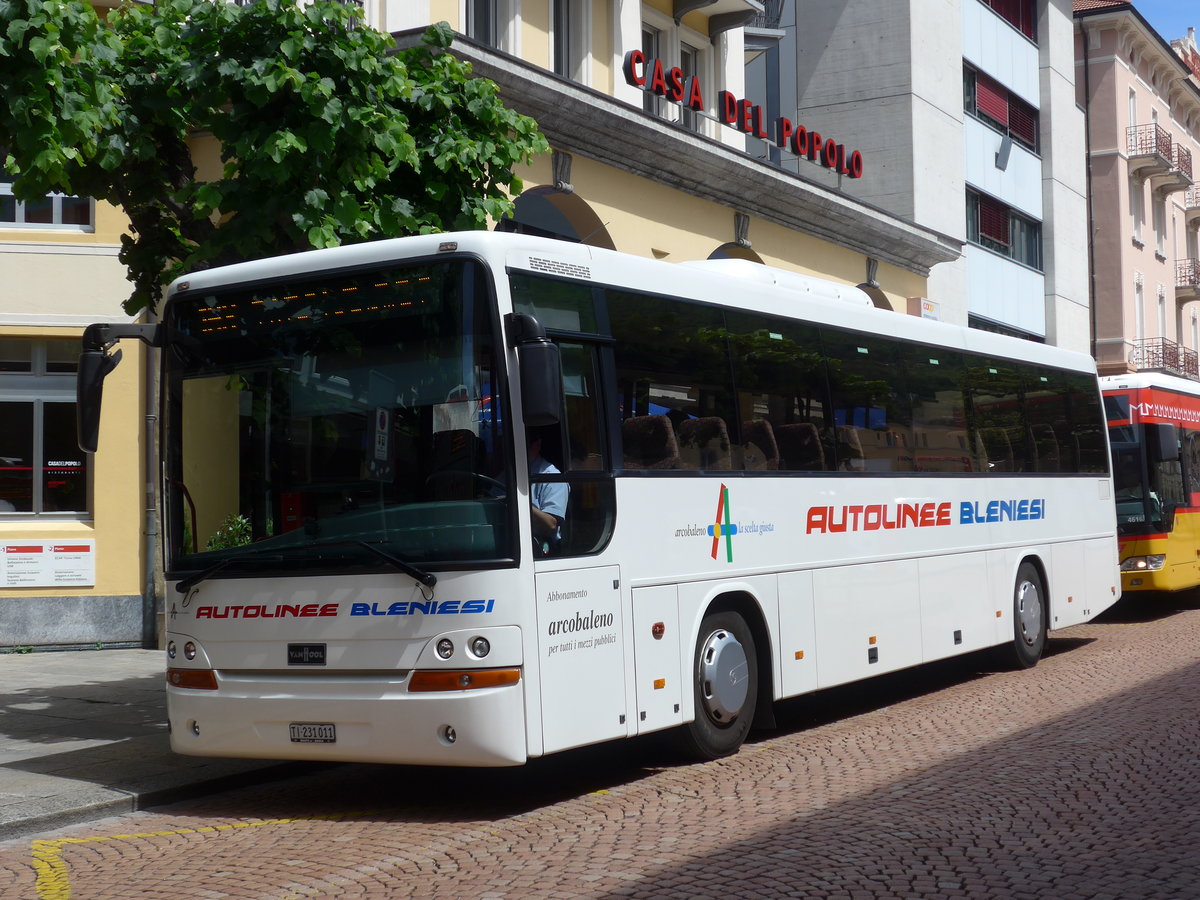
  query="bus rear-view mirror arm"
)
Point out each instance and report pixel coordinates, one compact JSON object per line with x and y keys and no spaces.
{"x":541,"y":370}
{"x":95,"y":362}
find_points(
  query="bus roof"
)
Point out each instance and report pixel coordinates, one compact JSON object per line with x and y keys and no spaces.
{"x":736,"y":283}
{"x":1137,"y":380}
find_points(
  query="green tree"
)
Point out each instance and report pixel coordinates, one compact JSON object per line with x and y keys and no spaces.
{"x":327,"y":135}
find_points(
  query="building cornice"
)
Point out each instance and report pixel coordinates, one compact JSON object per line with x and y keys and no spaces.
{"x":1147,"y":50}
{"x":579,"y":120}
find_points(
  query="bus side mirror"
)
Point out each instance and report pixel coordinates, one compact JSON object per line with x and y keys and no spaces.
{"x":94,"y":366}
{"x":541,"y":370}
{"x":1162,"y":443}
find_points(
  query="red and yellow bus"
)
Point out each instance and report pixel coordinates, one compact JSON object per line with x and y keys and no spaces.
{"x":1154,"y":428}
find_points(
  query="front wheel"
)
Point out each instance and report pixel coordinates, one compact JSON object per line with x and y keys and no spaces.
{"x":1029,"y":620}
{"x":724,"y":687}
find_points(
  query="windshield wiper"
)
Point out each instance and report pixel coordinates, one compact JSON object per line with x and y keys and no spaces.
{"x":204,"y":574}
{"x":426,"y":578}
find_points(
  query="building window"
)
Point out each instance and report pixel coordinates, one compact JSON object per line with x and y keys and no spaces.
{"x":42,"y":470}
{"x":1001,"y":229}
{"x":1020,"y":14}
{"x":570,"y":23}
{"x":486,"y":21}
{"x":1160,"y":225}
{"x":49,"y":212}
{"x":563,"y":63}
{"x":689,"y":64}
{"x":651,"y":47}
{"x":1137,"y":207}
{"x":993,"y":104}
{"x":1139,"y":307}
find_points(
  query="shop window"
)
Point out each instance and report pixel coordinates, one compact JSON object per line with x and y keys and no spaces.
{"x":999,"y":228}
{"x":42,"y":470}
{"x":50,"y":212}
{"x":993,"y":104}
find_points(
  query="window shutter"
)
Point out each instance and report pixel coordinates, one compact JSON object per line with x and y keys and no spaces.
{"x":991,"y":98}
{"x":1022,"y":122}
{"x":993,"y":220}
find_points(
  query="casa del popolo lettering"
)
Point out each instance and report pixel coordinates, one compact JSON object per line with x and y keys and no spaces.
{"x":653,"y":76}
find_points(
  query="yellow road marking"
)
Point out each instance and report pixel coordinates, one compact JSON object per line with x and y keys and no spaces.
{"x":53,"y":881}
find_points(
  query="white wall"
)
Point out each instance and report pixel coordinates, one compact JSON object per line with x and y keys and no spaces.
{"x":991,"y":44}
{"x":1005,"y":291}
{"x":1019,"y":185}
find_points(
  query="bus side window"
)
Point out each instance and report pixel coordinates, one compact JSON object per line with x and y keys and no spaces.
{"x":781,"y":395}
{"x":1191,"y":464}
{"x":868,"y":383}
{"x":581,"y":454}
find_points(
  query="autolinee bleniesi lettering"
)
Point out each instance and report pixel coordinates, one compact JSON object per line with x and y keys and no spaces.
{"x":279,"y":611}
{"x":427,"y":607}
{"x":871,"y":517}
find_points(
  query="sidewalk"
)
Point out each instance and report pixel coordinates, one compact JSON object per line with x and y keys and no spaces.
{"x":83,"y":734}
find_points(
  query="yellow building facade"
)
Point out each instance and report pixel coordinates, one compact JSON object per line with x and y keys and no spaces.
{"x":657,"y":151}
{"x":72,"y":571}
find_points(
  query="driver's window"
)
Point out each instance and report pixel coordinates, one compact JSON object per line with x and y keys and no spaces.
{"x":577,"y":448}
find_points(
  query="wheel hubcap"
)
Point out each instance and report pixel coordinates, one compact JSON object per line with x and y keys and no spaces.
{"x":1029,"y":612}
{"x":724,"y":676}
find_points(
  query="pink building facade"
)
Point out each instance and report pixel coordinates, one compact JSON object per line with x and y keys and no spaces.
{"x":1142,"y":119}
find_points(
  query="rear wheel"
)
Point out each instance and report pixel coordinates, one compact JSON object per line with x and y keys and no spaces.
{"x":1029,"y":620}
{"x":724,"y":687}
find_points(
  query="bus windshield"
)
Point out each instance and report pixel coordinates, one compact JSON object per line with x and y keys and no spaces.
{"x":357,"y":411}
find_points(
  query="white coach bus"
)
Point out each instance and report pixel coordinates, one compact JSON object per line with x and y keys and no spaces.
{"x":749,"y":485}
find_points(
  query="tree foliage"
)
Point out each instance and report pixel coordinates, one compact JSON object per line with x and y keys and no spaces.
{"x":327,"y":135}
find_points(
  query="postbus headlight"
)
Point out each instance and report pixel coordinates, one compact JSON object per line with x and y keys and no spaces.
{"x":445,"y":648}
{"x":1151,"y":563}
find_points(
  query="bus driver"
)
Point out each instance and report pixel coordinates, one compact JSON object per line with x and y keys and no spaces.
{"x":547,"y":500}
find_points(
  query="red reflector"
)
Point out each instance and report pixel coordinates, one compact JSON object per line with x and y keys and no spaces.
{"x":195,"y":679}
{"x":462,"y":679}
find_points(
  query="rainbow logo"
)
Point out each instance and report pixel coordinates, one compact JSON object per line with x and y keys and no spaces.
{"x":717,"y":529}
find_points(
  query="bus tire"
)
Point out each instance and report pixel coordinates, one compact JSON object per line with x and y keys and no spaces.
{"x":724,"y":687}
{"x":1029,"y":620}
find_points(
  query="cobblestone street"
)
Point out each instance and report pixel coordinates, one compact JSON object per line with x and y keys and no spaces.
{"x":1077,"y":779}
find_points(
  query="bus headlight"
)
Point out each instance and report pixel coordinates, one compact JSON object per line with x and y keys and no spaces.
{"x":445,"y":648}
{"x":1150,"y":563}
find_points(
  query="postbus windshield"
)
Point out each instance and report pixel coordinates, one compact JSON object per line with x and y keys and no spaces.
{"x":338,"y":418}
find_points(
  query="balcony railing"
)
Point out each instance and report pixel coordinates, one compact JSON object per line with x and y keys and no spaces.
{"x":769,"y":17}
{"x":1187,"y":273}
{"x":1192,"y":199}
{"x":1163,"y":355}
{"x":1181,"y":159}
{"x":1148,"y":140}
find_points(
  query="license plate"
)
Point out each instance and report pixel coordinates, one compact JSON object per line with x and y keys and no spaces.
{"x":313,"y":733}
